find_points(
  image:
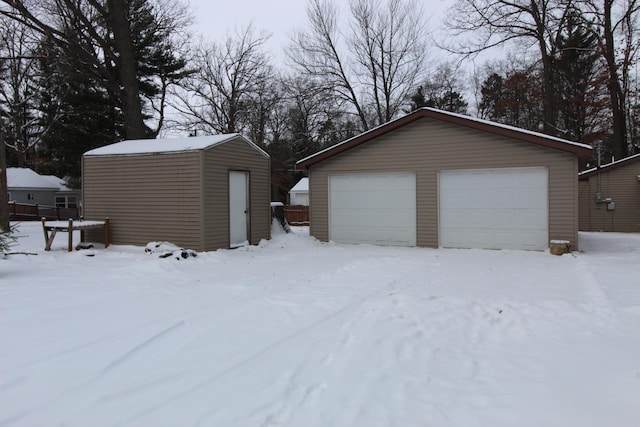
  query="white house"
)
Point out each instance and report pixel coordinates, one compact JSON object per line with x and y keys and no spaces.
{"x":299,"y":194}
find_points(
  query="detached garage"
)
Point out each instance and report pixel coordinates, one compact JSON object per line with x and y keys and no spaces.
{"x":439,"y":179}
{"x":202,"y":193}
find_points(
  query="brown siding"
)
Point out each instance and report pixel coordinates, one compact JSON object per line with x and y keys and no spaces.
{"x":146,"y":197}
{"x":428,"y":146}
{"x":219,"y":160}
{"x":584,"y":204}
{"x":621,"y":185}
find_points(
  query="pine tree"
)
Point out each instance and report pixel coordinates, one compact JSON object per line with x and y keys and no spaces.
{"x":492,"y":98}
{"x":83,"y":111}
{"x":577,"y":83}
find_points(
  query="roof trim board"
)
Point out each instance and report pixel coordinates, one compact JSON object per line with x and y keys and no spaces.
{"x":613,"y":165}
{"x":581,"y":150}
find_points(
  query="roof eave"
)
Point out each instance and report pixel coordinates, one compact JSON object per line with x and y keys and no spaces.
{"x":610,"y":166}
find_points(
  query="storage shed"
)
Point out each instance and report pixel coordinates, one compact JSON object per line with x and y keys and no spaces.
{"x":202,"y":193}
{"x":610,"y":197}
{"x":439,"y":179}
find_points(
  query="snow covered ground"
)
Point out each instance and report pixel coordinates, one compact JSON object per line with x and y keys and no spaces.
{"x":295,"y":332}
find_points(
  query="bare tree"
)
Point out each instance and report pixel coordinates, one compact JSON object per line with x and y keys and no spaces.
{"x":372,"y":63}
{"x":229,"y":76}
{"x":532,"y":22}
{"x":19,"y":81}
{"x":617,"y":22}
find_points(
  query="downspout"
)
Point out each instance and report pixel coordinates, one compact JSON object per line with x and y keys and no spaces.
{"x":599,"y":181}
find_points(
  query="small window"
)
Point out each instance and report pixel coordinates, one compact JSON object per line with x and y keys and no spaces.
{"x":31,"y":196}
{"x":66,"y":202}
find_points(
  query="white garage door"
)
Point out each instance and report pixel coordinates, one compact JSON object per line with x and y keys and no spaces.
{"x":494,"y":208}
{"x":373,"y":208}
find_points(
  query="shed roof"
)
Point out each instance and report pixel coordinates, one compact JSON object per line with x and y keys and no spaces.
{"x":581,"y":150}
{"x":29,"y":179}
{"x":302,"y":185}
{"x":168,"y":145}
{"x":609,"y":166}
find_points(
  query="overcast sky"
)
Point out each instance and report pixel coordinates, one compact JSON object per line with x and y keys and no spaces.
{"x":214,"y":19}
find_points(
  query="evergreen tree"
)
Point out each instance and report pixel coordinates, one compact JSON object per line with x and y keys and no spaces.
{"x":418,"y":100}
{"x":492,"y":98}
{"x":443,"y":90}
{"x":514,"y":97}
{"x":579,"y":97}
{"x":83,"y":111}
{"x":159,"y":61}
{"x":81,"y":115}
{"x":450,"y":100}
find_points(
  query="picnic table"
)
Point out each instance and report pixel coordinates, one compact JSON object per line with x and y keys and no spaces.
{"x":50,"y":228}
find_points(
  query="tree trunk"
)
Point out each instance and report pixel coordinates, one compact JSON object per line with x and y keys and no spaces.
{"x":549,"y":112}
{"x":134,"y":127}
{"x":620,"y":147}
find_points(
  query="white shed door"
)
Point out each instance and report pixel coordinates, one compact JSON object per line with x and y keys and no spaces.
{"x":373,"y":208}
{"x":494,"y":208}
{"x":238,"y":208}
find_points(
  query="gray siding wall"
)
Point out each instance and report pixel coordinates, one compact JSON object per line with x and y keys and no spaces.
{"x":428,"y":146}
{"x":621,"y":185}
{"x":218,"y":161}
{"x":146,"y":197}
{"x":41,"y":197}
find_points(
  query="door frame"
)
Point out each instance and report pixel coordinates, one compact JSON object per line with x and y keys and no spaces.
{"x":247,"y":174}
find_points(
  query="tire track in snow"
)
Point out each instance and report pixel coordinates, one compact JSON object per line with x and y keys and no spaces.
{"x":128,"y":331}
{"x":354,"y":331}
{"x":221,"y":316}
{"x":140,"y":347}
{"x":106,"y":370}
{"x":263,"y":351}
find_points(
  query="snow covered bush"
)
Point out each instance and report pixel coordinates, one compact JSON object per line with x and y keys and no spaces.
{"x":167,"y":249}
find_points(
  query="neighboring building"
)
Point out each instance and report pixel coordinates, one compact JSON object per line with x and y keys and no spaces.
{"x":202,"y":193}
{"x":610,"y":197}
{"x":65,"y":196}
{"x":439,"y":179}
{"x":28,"y":187}
{"x":299,"y":194}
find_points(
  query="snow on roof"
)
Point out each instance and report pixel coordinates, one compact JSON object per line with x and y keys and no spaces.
{"x":169,"y":145}
{"x":60,"y":182}
{"x":512,"y":128}
{"x":27,"y":178}
{"x":302,"y":185}
{"x":612,"y":164}
{"x":436,"y":112}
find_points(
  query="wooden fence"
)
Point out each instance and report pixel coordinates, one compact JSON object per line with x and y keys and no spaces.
{"x":26,"y":212}
{"x":297,"y":215}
